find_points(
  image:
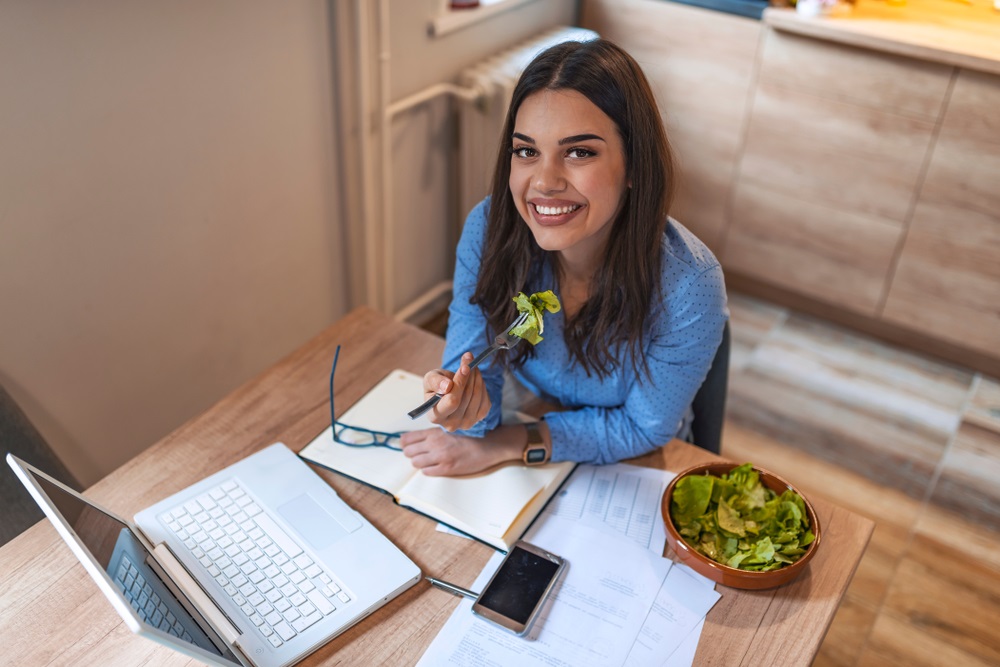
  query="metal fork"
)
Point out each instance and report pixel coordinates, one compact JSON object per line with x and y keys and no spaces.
{"x":503,"y":341}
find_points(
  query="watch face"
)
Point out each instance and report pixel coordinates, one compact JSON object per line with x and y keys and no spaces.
{"x":533,"y":456}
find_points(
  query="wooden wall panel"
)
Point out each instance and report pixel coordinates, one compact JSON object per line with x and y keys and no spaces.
{"x":947,"y":282}
{"x":700,"y":65}
{"x":850,"y":157}
{"x":857,"y":76}
{"x":837,"y":257}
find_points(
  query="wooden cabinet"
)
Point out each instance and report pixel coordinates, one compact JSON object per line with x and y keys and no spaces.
{"x":699,"y":63}
{"x":835,"y":148}
{"x":947,"y":280}
{"x":853,"y":183}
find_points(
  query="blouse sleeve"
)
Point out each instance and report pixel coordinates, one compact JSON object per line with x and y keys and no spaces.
{"x":682,"y":345}
{"x":466,"y":323}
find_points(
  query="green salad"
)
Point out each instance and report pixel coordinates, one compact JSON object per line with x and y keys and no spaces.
{"x":737,"y":521}
{"x":531,"y":329}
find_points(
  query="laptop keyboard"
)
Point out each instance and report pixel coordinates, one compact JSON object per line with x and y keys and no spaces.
{"x":146,"y":603}
{"x":279,"y":588}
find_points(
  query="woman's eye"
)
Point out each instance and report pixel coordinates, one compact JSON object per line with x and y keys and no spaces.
{"x":523,"y":151}
{"x":580,"y":152}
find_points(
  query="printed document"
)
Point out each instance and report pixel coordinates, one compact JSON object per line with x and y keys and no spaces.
{"x":680,"y":606}
{"x":619,"y":499}
{"x":592,"y":620}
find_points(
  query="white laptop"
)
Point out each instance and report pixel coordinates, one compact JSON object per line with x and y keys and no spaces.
{"x":259,"y":564}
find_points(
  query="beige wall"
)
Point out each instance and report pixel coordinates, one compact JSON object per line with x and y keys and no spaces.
{"x":169,"y":216}
{"x":178,"y":196}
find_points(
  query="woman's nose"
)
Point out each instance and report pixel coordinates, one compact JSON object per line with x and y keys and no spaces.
{"x":549,"y":176}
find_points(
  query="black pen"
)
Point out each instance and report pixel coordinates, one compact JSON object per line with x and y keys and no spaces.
{"x":452,"y":588}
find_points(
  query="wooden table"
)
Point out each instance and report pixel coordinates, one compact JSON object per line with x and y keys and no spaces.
{"x":52,"y":613}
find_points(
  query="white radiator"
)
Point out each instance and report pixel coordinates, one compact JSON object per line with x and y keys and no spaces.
{"x":482,"y":122}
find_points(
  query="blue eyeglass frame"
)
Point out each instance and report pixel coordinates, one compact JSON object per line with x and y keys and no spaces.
{"x":379,"y":438}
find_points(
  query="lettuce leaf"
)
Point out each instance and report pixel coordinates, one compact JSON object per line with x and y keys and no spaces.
{"x":531,"y":329}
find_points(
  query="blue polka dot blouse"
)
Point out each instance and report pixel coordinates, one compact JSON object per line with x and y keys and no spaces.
{"x":611,"y":418}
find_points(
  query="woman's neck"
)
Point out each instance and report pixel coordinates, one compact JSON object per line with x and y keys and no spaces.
{"x":576,"y":279}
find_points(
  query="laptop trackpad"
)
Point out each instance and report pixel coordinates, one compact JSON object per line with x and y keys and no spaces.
{"x":320,"y":527}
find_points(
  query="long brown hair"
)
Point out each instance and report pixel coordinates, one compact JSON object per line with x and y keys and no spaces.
{"x":627,"y":282}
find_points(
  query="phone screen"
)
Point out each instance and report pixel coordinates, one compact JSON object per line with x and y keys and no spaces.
{"x":514,"y":595}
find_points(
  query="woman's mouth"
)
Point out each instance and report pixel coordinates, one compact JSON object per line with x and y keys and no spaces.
{"x":555,"y":215}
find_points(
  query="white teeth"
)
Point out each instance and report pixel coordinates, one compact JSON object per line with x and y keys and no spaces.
{"x":555,"y":210}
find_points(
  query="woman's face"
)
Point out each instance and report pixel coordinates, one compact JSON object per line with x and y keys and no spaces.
{"x":567,"y":173}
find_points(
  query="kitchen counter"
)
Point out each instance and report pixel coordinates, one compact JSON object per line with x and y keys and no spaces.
{"x":961,"y":33}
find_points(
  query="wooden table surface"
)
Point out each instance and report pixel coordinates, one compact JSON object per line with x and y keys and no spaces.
{"x":52,"y":613}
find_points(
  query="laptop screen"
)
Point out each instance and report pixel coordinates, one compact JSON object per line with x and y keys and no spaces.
{"x":132,"y":569}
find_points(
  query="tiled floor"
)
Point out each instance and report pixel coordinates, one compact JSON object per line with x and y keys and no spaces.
{"x":910,"y":442}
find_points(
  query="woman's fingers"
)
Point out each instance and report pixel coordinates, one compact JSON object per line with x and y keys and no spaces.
{"x":437,"y":453}
{"x":467,"y":381}
{"x":464,"y":399}
{"x":413,"y":437}
{"x":437,"y":381}
{"x":449,"y":410}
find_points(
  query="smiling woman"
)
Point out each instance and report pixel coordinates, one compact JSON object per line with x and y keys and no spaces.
{"x":579,"y":205}
{"x":567,"y":187}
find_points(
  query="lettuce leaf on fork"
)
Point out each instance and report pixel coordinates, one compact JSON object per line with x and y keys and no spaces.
{"x":531,"y":329}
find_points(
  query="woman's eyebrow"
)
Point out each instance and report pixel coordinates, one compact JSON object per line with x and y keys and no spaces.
{"x":562,"y":142}
{"x":580,"y":137}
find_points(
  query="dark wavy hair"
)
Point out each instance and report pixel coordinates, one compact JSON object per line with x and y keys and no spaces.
{"x":627,"y":282}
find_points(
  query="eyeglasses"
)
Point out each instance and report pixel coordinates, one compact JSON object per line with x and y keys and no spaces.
{"x":356,"y":436}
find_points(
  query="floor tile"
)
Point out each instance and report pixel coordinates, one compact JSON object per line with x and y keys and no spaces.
{"x":847,"y":635}
{"x":750,"y":321}
{"x":969,"y":484}
{"x":941,"y":609}
{"x":951,"y":531}
{"x":851,"y":401}
{"x":984,"y":406}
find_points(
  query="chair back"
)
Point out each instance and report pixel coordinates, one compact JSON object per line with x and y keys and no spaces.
{"x":709,"y":405}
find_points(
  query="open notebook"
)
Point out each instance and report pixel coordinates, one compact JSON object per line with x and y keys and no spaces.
{"x":495,"y":507}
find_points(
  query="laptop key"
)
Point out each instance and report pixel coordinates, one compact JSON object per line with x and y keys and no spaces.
{"x":304,"y":622}
{"x":275,"y":532}
{"x":321,"y":602}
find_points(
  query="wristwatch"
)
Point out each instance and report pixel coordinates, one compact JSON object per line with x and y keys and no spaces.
{"x":535,"y":452}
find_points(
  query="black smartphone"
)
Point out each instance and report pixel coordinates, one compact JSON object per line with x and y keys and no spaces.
{"x":518,"y":589}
